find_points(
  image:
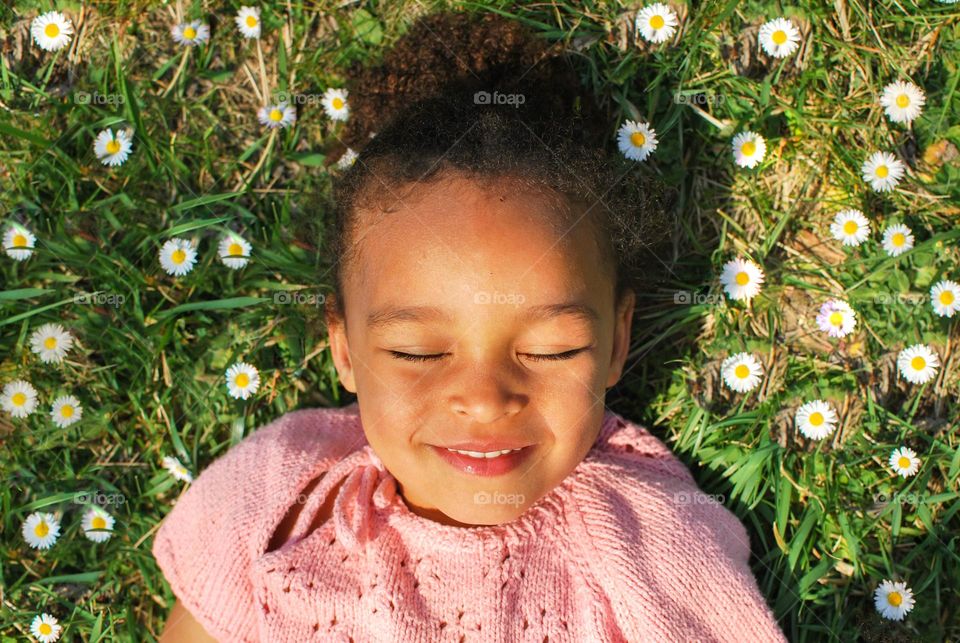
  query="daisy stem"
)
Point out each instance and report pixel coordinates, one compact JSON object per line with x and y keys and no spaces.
{"x":263,"y":72}
{"x":263,"y":159}
{"x":176,"y":74}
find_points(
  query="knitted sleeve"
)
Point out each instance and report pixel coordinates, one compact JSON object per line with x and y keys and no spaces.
{"x":206,"y":544}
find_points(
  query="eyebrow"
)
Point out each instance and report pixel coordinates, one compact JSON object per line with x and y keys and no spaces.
{"x":390,"y":316}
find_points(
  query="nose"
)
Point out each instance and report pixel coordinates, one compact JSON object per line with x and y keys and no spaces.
{"x":485,"y":396}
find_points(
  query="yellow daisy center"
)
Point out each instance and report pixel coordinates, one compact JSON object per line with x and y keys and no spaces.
{"x":19,"y":241}
{"x":741,"y":371}
{"x":45,"y":628}
{"x":189,"y":33}
{"x":748,"y":148}
{"x":816,"y":418}
{"x":779,"y":36}
{"x":98,"y":522}
{"x":66,"y":411}
{"x":638,"y":139}
{"x":242,"y":380}
{"x":882,"y":171}
{"x":50,"y":342}
{"x":251,"y":21}
{"x":656,"y":22}
{"x":742,"y":279}
{"x":903,"y":100}
{"x":337,"y":103}
{"x":276,"y":115}
{"x":894,"y":599}
{"x":113,"y":147}
{"x":898,"y":239}
{"x":850,"y":227}
{"x":51,"y":30}
{"x":904,"y":462}
{"x":836,"y":318}
{"x":41,"y":529}
{"x":918,"y":363}
{"x":236,"y":249}
{"x":19,"y":399}
{"x":178,"y":256}
{"x":946,"y":298}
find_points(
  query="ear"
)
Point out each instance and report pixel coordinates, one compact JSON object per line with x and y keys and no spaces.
{"x":339,"y":348}
{"x":621,"y":336}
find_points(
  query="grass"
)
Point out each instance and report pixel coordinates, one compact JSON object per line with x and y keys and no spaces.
{"x":828,"y":520}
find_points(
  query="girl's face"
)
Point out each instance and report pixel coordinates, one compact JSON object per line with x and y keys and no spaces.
{"x":481,"y":279}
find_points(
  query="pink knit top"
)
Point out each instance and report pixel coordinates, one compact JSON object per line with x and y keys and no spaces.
{"x":626,"y":548}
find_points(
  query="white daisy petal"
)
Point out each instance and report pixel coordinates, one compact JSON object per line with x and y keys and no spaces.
{"x":742,"y":372}
{"x":836,"y":318}
{"x":66,"y":410}
{"x":177,"y":256}
{"x":749,"y":148}
{"x":97,"y":524}
{"x":191,"y":33}
{"x":945,"y":297}
{"x":279,"y":115}
{"x":741,"y":278}
{"x":882,"y":171}
{"x":234,"y":251}
{"x":637,"y":140}
{"x":112,"y":149}
{"x":248,"y":21}
{"x":656,"y":22}
{"x":51,"y":30}
{"x":335,"y":104}
{"x":904,"y":461}
{"x":779,"y":38}
{"x":176,"y":468}
{"x":897,"y":239}
{"x":45,"y":628}
{"x":918,"y":363}
{"x":19,"y":398}
{"x":51,"y":342}
{"x":18,"y":242}
{"x":347,"y":159}
{"x":850,"y":227}
{"x":41,"y":530}
{"x":816,"y":419}
{"x":893,"y":600}
{"x":902,"y":101}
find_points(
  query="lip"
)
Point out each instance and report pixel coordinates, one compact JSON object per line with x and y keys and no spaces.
{"x":484,"y":445}
{"x":487,"y":466}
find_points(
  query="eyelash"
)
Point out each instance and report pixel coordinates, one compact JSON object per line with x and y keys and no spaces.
{"x":555,"y":357}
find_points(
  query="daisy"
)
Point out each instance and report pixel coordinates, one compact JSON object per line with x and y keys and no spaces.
{"x":902,"y":101}
{"x":656,"y":22}
{"x":945,"y":297}
{"x":893,"y":600}
{"x":191,"y":33}
{"x":816,"y":419}
{"x":18,"y":241}
{"x":850,"y":227}
{"x":741,"y":278}
{"x":779,"y":38}
{"x":112,"y":149}
{"x":41,"y":530}
{"x":279,"y":115}
{"x":66,"y":410}
{"x":233,"y":244}
{"x":19,"y":398}
{"x":749,"y":148}
{"x":636,"y":140}
{"x":176,"y":469}
{"x":836,"y":318}
{"x":97,"y":524}
{"x":248,"y":21}
{"x":51,"y":31}
{"x":918,"y":363}
{"x":335,"y":104}
{"x":882,"y":171}
{"x":177,"y":256}
{"x":897,"y":239}
{"x":243,"y":380}
{"x":347,"y":159}
{"x":51,"y":342}
{"x":904,"y":461}
{"x":45,"y":628}
{"x":741,"y":372}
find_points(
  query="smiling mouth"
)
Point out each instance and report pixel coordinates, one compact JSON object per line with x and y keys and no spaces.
{"x":484,"y":463}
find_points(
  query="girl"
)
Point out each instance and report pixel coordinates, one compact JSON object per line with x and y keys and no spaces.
{"x":488,"y":251}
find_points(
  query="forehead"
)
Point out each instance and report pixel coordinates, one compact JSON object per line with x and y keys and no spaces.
{"x":442,"y":243}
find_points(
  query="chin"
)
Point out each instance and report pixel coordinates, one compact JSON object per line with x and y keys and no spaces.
{"x":490,"y":514}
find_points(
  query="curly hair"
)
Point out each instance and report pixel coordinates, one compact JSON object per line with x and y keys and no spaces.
{"x":417,"y":115}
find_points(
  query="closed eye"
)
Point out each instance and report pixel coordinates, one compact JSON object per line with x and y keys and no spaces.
{"x":536,"y":357}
